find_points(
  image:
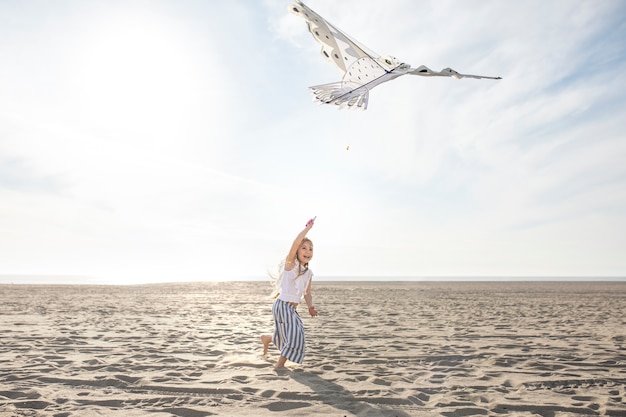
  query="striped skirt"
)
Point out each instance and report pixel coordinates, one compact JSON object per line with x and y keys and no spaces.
{"x":288,"y":331}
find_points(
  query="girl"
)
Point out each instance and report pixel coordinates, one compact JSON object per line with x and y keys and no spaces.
{"x":294,"y":283}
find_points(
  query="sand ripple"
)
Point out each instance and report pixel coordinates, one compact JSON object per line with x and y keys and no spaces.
{"x":395,"y":349}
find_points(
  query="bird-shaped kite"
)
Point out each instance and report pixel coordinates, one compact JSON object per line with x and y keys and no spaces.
{"x":362,"y":69}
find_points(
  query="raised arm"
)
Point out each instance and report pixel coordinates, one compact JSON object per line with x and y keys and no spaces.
{"x":291,"y":257}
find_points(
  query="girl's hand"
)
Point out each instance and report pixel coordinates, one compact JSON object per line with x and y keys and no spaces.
{"x":310,"y":223}
{"x":312,"y":311}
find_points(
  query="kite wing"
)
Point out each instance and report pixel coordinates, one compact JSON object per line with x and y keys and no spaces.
{"x":337,"y":46}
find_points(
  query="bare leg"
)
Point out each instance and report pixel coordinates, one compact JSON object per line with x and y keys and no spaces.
{"x":266,"y":342}
{"x":281,"y":362}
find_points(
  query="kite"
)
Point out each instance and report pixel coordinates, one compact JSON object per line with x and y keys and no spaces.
{"x":362,"y":68}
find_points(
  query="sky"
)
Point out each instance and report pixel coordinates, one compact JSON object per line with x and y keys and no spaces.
{"x":163,"y":141}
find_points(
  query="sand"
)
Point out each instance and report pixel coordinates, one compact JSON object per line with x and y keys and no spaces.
{"x":392,"y":349}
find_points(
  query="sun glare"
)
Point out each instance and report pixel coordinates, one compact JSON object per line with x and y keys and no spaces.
{"x":137,"y":76}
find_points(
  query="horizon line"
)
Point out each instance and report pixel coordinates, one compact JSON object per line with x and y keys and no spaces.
{"x":58,"y":279}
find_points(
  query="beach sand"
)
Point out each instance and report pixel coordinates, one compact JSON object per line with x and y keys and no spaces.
{"x":377,"y":349}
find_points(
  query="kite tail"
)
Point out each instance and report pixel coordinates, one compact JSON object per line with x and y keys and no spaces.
{"x":341,"y":95}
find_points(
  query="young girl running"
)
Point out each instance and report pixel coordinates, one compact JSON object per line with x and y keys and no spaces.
{"x":294,"y":284}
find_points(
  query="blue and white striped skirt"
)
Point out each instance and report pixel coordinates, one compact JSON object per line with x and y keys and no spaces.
{"x":288,"y":331}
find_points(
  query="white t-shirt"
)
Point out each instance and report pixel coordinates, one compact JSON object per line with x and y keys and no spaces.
{"x":292,"y":286}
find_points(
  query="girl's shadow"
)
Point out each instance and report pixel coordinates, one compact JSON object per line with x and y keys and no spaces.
{"x":338,"y":397}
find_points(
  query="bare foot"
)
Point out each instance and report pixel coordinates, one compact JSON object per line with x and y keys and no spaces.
{"x":280,"y":364}
{"x":265,"y":339}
